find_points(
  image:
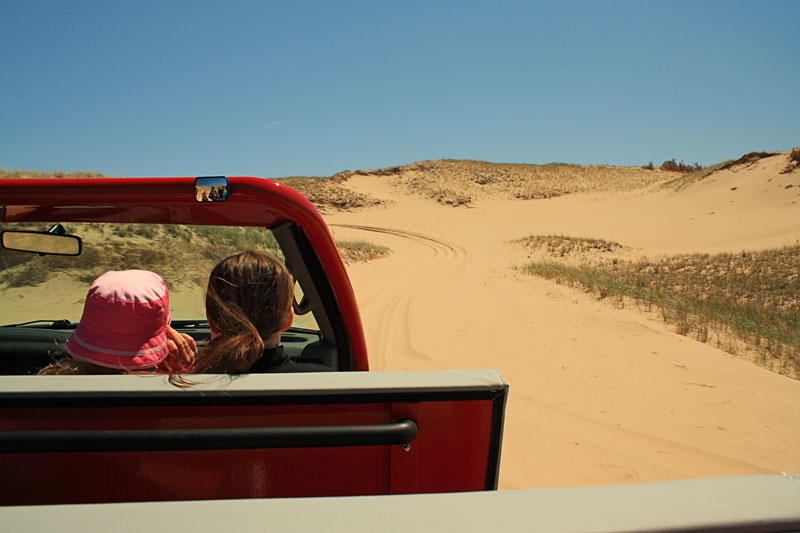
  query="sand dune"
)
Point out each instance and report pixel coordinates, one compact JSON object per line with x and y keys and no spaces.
{"x":598,"y":394}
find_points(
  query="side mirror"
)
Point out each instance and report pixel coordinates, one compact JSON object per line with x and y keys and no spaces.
{"x":42,"y":243}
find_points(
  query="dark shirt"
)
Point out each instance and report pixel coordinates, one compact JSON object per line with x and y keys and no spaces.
{"x":273,"y":360}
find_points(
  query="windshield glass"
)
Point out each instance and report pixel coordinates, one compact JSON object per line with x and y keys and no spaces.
{"x":34,"y":287}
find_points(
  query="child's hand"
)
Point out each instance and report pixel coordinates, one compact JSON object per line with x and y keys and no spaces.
{"x":182,"y":350}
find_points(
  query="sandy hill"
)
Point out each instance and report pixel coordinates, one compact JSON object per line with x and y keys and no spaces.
{"x":461,"y":182}
{"x":771,"y":180}
{"x":465,"y":182}
{"x":599,"y":393}
{"x":673,"y":212}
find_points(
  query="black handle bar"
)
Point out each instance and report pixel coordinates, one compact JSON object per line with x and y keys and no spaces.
{"x":137,"y":440}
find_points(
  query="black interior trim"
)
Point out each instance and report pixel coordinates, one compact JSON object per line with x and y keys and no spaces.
{"x":324,"y":296}
{"x":496,"y":443}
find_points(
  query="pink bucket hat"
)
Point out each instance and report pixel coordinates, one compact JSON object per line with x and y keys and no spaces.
{"x":124,"y":321}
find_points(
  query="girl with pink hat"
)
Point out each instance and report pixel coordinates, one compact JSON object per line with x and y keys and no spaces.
{"x":125,"y":328}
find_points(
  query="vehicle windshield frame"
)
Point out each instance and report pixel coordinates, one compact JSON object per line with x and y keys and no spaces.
{"x":252,"y":202}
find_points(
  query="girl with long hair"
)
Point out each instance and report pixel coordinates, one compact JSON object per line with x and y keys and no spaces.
{"x":248,"y":305}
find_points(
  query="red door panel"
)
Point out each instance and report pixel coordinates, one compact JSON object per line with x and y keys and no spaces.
{"x":452,"y":452}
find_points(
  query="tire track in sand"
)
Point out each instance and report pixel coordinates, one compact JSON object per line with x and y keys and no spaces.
{"x":386,"y":292}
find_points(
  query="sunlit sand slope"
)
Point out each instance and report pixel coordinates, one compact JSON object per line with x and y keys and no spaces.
{"x":598,"y":394}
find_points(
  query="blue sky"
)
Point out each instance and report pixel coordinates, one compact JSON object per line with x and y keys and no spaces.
{"x":182,"y":88}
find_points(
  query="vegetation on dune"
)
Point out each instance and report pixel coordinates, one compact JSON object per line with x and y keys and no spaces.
{"x":701,"y":173}
{"x":329,"y":193}
{"x":672,"y":166}
{"x":177,"y":253}
{"x":447,"y":196}
{"x":360,"y":251}
{"x":184,"y":254}
{"x":457,"y":182}
{"x":562,"y":245}
{"x":747,"y":159}
{"x":792,"y":162}
{"x":461,"y":182}
{"x":684,"y":180}
{"x":20,"y":173}
{"x":749,"y":300}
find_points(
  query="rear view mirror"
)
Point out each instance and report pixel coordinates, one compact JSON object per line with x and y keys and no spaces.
{"x":211,"y":189}
{"x":41,"y":242}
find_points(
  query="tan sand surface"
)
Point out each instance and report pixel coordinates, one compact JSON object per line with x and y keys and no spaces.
{"x":599,"y":395}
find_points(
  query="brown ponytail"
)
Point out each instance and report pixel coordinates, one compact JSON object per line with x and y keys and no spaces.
{"x":249,"y":298}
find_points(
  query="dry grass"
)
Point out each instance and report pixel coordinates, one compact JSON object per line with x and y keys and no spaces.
{"x":750,"y":299}
{"x":360,"y":251}
{"x":684,"y":180}
{"x":562,"y":245}
{"x":177,"y":253}
{"x":747,"y":160}
{"x":460,"y":182}
{"x":792,"y":162}
{"x":20,"y":173}
{"x":329,"y":194}
{"x":673,"y":166}
{"x":183,"y":254}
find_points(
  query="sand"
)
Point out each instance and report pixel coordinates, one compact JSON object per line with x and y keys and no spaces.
{"x":599,"y":395}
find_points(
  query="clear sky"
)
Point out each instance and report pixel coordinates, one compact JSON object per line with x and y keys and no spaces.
{"x":183,"y":88}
